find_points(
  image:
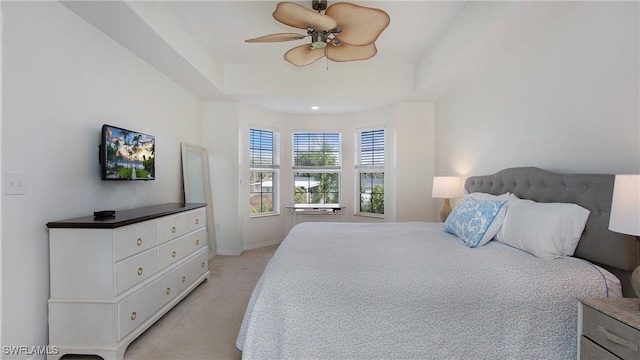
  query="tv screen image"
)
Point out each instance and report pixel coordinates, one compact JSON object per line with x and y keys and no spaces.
{"x":126,"y":154}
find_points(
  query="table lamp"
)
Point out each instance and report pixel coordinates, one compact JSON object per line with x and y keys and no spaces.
{"x":625,"y":213}
{"x":446,"y":187}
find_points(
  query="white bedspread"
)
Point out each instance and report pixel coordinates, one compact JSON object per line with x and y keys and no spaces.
{"x":411,"y":291}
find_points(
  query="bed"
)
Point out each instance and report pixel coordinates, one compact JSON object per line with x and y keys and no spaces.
{"x":415,"y":291}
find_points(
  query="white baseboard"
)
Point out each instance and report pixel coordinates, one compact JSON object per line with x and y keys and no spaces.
{"x":247,"y":247}
{"x":261,"y":245}
{"x":229,"y":252}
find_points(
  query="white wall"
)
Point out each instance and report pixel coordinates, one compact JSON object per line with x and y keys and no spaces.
{"x":414,"y":165}
{"x":222,"y":143}
{"x":566,"y":98}
{"x":62,"y":79}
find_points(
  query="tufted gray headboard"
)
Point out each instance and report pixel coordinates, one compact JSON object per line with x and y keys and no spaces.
{"x":617,"y":252}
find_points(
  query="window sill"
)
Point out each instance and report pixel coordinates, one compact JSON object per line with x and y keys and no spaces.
{"x":262,"y":215}
{"x":369,"y":215}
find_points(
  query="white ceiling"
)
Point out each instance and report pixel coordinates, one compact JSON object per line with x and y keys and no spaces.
{"x":200,"y":45}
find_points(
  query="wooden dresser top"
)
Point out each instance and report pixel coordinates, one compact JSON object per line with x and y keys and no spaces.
{"x":125,"y":217}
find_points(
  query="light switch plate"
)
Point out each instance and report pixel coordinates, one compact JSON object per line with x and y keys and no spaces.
{"x":14,"y":184}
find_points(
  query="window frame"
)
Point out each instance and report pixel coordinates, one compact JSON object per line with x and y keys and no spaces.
{"x":306,"y":169}
{"x":273,"y":168}
{"x":375,"y":168}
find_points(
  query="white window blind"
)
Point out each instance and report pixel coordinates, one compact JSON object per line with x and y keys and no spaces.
{"x":263,"y":148}
{"x":264,"y":157}
{"x":316,"y":150}
{"x":370,"y":149}
{"x":369,"y":168}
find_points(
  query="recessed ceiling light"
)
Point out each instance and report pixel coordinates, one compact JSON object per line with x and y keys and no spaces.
{"x":315,"y":107}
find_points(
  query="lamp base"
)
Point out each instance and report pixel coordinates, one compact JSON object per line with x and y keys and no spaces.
{"x":446,"y":210}
{"x":635,"y":280}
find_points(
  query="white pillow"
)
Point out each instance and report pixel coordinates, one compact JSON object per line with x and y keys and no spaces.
{"x":488,"y":197}
{"x":546,"y":230}
{"x":508,"y":197}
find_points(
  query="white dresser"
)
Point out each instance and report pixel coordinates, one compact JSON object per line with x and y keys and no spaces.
{"x":110,"y":279}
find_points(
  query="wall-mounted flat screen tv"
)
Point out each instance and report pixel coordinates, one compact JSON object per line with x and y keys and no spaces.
{"x":126,"y":154}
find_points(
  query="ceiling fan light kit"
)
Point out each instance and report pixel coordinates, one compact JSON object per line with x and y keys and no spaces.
{"x":317,"y":41}
{"x":350,"y":29}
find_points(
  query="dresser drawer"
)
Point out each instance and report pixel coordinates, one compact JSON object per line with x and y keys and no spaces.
{"x":611,"y":334}
{"x":196,"y":240}
{"x":196,"y":219}
{"x":191,"y":270}
{"x":171,"y":252}
{"x":138,"y":308}
{"x":135,"y":239}
{"x":135,"y":269}
{"x":591,"y":351}
{"x":171,"y":227}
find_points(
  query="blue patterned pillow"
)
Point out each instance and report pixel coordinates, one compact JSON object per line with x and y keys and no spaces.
{"x":475,"y":221}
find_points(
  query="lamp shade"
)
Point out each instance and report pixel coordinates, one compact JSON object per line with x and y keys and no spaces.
{"x":625,"y":206}
{"x":447,"y":187}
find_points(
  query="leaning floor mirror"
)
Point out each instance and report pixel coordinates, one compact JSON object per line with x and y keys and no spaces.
{"x":197,"y":186}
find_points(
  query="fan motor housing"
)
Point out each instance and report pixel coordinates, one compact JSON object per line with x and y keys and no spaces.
{"x":319,"y":5}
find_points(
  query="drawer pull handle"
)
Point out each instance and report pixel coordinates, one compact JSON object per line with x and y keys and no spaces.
{"x":617,"y":339}
{"x":168,"y":291}
{"x":139,"y":242}
{"x":173,"y":229}
{"x":197,"y":221}
{"x":173,"y":253}
{"x":133,"y":315}
{"x":139,"y":271}
{"x":184,"y":278}
{"x":197,"y":241}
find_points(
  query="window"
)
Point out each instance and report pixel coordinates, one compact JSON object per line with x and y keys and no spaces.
{"x":263,"y":172}
{"x":369,"y":170}
{"x":316,"y":168}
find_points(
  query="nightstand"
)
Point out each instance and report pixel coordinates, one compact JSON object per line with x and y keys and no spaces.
{"x":609,"y":328}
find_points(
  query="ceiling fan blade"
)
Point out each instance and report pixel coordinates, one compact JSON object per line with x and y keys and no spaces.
{"x":303,"y":55}
{"x":360,"y":25}
{"x":276,"y":38}
{"x":298,"y":16}
{"x":346,"y":52}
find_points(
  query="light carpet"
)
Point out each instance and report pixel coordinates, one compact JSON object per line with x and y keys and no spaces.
{"x":205,"y":324}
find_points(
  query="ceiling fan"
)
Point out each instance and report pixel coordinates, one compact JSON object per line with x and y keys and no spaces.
{"x":345,"y":32}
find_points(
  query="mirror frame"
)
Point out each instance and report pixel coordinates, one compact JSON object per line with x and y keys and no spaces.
{"x":204,"y":157}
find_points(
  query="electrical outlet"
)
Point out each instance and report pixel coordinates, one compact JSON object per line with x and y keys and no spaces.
{"x":15,"y":184}
{"x":217,"y":226}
